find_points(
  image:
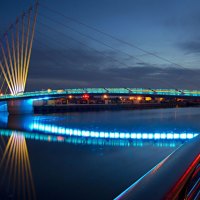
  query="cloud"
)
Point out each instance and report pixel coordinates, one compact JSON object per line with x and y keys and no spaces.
{"x":82,"y":68}
{"x":190,"y":46}
{"x":184,"y":15}
{"x":184,"y":26}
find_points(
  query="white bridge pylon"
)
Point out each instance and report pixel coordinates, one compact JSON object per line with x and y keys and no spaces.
{"x":16,"y":48}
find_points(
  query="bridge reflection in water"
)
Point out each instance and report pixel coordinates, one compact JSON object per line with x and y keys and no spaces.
{"x":16,"y":176}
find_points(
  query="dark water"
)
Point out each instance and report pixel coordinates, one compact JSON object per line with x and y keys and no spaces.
{"x":90,"y":155}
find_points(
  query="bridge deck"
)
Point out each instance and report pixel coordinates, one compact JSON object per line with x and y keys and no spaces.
{"x":111,"y":91}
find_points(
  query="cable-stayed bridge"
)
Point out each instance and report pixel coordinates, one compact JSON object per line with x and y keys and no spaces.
{"x":16,"y":48}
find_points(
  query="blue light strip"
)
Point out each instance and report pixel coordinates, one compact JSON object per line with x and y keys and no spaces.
{"x":89,"y":141}
{"x":58,"y":130}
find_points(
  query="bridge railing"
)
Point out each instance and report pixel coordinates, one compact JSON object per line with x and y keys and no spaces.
{"x":123,"y":91}
{"x":175,"y":178}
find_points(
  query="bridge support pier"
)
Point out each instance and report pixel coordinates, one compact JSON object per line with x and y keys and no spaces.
{"x":22,"y":106}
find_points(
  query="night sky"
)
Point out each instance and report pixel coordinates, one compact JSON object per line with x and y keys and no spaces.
{"x":67,"y":54}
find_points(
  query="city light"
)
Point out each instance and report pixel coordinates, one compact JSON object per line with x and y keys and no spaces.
{"x":139,"y":98}
{"x":105,"y":96}
{"x":148,"y":98}
{"x":86,"y":96}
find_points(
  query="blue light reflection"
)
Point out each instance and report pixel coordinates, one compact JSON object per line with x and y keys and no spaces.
{"x":59,"y":130}
{"x":90,"y":140}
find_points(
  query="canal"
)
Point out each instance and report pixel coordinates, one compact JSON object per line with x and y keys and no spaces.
{"x":88,"y":155}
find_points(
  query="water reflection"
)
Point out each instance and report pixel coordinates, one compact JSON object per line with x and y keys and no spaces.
{"x":57,"y":129}
{"x":16,"y":176}
{"x":55,"y":137}
{"x":110,"y":129}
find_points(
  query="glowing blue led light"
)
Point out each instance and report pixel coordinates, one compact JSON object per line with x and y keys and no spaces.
{"x":78,"y":132}
{"x":144,"y":136}
{"x":121,"y":135}
{"x":44,"y":98}
{"x":169,"y":136}
{"x":75,"y":132}
{"x":183,"y":136}
{"x":101,"y":134}
{"x":63,"y":130}
{"x":163,"y":136}
{"x":41,"y":127}
{"x":139,"y":136}
{"x":35,"y":126}
{"x":133,"y":135}
{"x":60,"y":130}
{"x":157,"y":136}
{"x":127,"y":135}
{"x":55,"y":129}
{"x":150,"y":136}
{"x":67,"y":131}
{"x":87,"y":133}
{"x":83,"y":133}
{"x":106,"y":135}
{"x":47,"y":128}
{"x":116,"y":135}
{"x":96,"y":134}
{"x":176,"y":136}
{"x":112,"y":135}
{"x":93,"y":134}
{"x":189,"y":135}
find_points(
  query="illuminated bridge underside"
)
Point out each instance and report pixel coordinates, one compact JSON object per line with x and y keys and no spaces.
{"x":110,"y":91}
{"x":50,"y":133}
{"x":58,"y":130}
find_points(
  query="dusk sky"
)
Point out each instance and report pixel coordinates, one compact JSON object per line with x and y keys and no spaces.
{"x":67,"y":54}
